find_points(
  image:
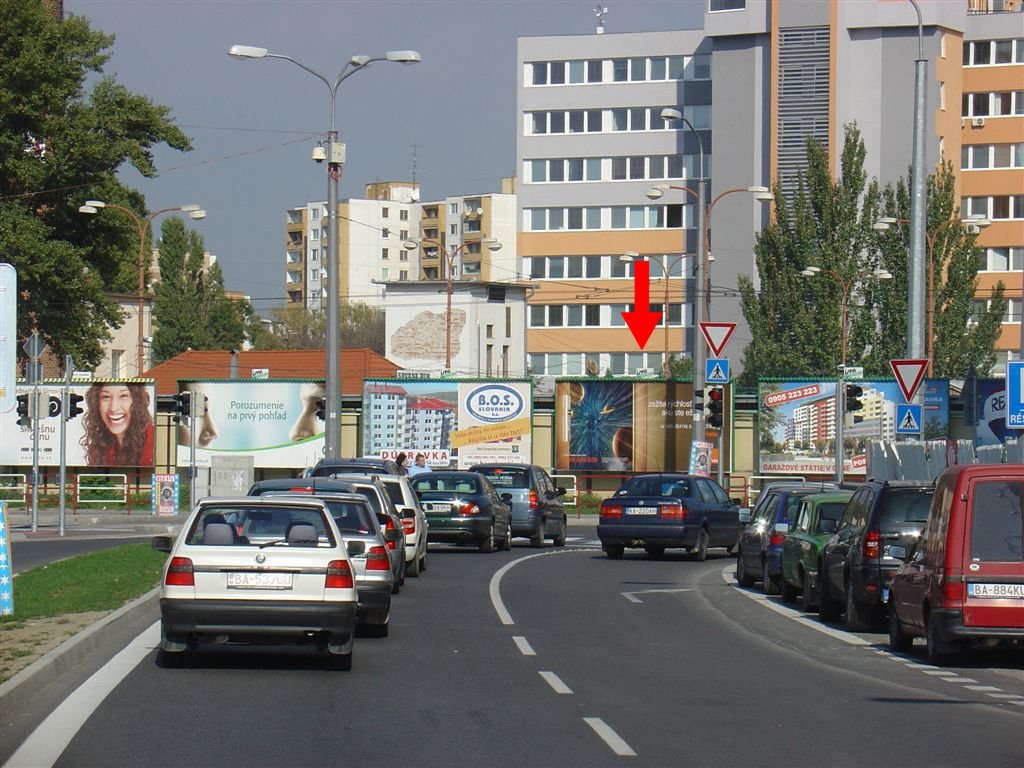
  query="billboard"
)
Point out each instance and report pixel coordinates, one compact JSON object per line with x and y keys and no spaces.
{"x":274,"y":421}
{"x":797,"y":423}
{"x":618,"y":425}
{"x":465,"y":422}
{"x":115,"y":428}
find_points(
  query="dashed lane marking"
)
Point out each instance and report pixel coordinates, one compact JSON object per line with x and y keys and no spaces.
{"x":556,"y":683}
{"x":524,"y":646}
{"x":610,"y":737}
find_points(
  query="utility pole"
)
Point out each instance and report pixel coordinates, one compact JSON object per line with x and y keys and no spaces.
{"x":69,"y":365}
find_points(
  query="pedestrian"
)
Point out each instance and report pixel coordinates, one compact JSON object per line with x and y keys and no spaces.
{"x":419,"y":466}
{"x":402,"y":460}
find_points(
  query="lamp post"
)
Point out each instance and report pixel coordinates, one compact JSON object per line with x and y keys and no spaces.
{"x":142,"y":224}
{"x":845,"y":284}
{"x":915,"y":285}
{"x":448,"y":258}
{"x":335,"y":160}
{"x":631,"y":256}
{"x":931,"y":238}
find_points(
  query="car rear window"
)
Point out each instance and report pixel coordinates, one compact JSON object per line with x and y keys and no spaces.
{"x":507,"y":478}
{"x":657,"y":486}
{"x":350,"y":517}
{"x":434,"y":481}
{"x":997,"y":525}
{"x":831,"y":511}
{"x":905,"y":505}
{"x":256,"y":526}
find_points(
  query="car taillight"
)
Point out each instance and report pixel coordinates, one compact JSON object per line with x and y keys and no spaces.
{"x":179,"y":573}
{"x":339,"y":575}
{"x":468,"y":510}
{"x":390,"y":527}
{"x":610,"y":512}
{"x":776,"y":539}
{"x":409,"y":525}
{"x":953,"y":592}
{"x":533,"y":499}
{"x":673,"y":512}
{"x":377,"y":559}
{"x":872,"y":548}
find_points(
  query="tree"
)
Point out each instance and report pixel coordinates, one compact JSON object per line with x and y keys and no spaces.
{"x":192,"y":309}
{"x":360,"y":326}
{"x":59,"y":147}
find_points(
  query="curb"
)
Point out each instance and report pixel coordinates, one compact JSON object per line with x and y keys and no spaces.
{"x":15,"y":692}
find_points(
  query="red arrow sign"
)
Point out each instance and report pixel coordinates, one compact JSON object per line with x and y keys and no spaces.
{"x":717,"y":335}
{"x":641,"y":320}
{"x":909,"y":374}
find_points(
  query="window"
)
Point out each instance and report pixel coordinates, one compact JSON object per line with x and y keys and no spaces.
{"x":403,"y":255}
{"x":115,"y":362}
{"x":595,"y":71}
{"x":384,"y":213}
{"x":314,"y":234}
{"x":385,"y":232}
{"x":314,"y":254}
{"x":403,"y":215}
{"x":384,"y":253}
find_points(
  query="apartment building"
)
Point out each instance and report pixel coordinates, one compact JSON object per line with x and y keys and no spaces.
{"x":754,"y":83}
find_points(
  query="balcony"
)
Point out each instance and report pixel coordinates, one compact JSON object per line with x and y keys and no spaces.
{"x":983,"y":7}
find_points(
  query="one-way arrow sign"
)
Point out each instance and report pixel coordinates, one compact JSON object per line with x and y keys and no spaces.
{"x":909,"y":374}
{"x":717,"y":335}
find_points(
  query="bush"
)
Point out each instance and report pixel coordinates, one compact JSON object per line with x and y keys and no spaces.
{"x":589,"y":503}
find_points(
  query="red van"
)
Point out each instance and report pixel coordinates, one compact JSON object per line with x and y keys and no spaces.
{"x":964,"y":578}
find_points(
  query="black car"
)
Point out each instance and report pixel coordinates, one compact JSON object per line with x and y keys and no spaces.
{"x":759,"y":548}
{"x":464,"y":508}
{"x":856,"y":567}
{"x":537,"y":509}
{"x":328,"y":467}
{"x":661,"y":511}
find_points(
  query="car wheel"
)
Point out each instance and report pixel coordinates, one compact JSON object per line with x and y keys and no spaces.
{"x":423,"y":561}
{"x":413,"y":568}
{"x":937,"y":652}
{"x":744,"y":578}
{"x":171,"y":659}
{"x":700,"y":549}
{"x":614,"y":551}
{"x":807,"y":601}
{"x":899,"y":640}
{"x":396,"y":588}
{"x":788,"y":591}
{"x":655,"y":552}
{"x":770,"y":583}
{"x":858,"y":617}
{"x":828,"y":608}
{"x":537,"y":540}
{"x":487,"y":544}
{"x":560,"y":537}
{"x":341,"y":662}
{"x":506,"y":543}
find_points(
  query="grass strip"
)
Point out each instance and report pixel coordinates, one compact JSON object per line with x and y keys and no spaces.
{"x":98,"y":581}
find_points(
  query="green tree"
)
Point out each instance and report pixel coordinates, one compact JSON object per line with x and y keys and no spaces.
{"x":60,"y":146}
{"x":192,"y":310}
{"x":360,"y":327}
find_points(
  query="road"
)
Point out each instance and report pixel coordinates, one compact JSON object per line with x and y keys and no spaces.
{"x":29,"y":553}
{"x":557,"y":657}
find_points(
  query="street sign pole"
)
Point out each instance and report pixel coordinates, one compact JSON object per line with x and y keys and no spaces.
{"x":69,"y":366}
{"x":35,"y":444}
{"x":840,"y":423}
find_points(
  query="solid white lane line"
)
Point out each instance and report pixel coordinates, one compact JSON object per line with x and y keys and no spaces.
{"x":555,"y":682}
{"x":524,"y":646}
{"x":49,"y":740}
{"x":610,"y":737}
{"x":495,"y":586}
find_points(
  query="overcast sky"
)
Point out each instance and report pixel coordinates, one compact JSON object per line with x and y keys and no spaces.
{"x":254,"y":123}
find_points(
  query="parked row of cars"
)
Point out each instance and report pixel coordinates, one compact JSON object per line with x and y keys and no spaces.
{"x":310,"y":559}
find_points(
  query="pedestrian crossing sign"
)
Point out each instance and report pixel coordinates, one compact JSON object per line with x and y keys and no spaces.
{"x":716,"y":371}
{"x":908,"y":419}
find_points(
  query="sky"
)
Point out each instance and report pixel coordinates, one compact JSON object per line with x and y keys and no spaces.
{"x":254,"y":123}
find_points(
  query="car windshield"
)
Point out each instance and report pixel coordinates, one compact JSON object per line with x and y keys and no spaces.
{"x":257,"y":526}
{"x":350,"y":517}
{"x":435,"y":481}
{"x":506,"y":478}
{"x":905,"y":505}
{"x":997,"y":524}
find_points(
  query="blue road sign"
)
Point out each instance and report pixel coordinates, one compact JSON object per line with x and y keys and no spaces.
{"x":1015,"y":395}
{"x":908,"y":419}
{"x":716,"y":370}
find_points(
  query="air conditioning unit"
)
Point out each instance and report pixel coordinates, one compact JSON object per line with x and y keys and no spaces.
{"x":978,"y":122}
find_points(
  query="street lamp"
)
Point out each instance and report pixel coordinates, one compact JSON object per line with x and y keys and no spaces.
{"x":142,"y":224}
{"x":335,"y":160}
{"x":978,"y":220}
{"x":845,"y":285}
{"x":448,"y":259}
{"x":631,"y":256}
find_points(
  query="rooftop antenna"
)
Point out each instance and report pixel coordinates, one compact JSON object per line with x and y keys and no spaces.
{"x":415,"y":148}
{"x":601,"y":11}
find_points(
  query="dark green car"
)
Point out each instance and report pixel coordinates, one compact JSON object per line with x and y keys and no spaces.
{"x":816,"y":520}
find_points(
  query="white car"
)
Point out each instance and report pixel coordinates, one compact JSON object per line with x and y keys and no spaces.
{"x":414,"y":521}
{"x":265,"y":570}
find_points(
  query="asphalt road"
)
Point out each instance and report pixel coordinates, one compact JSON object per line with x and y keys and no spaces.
{"x":562,"y":657}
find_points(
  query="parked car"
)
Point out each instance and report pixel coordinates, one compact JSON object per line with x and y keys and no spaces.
{"x":464,"y":508}
{"x":287,"y":580}
{"x":964,"y":579}
{"x":663,"y":511}
{"x":414,"y":521}
{"x":817,"y":518}
{"x":759,"y":546}
{"x":368,"y":551}
{"x":328,"y":467}
{"x":377,"y":496}
{"x":537,"y":509}
{"x":856,"y":563}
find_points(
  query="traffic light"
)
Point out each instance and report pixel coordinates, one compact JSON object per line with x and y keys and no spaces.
{"x":716,"y":407}
{"x":183,"y":405}
{"x":74,"y":406}
{"x":698,"y":399}
{"x":853,"y":394}
{"x":24,"y":419}
{"x":321,"y":409}
{"x":53,"y":406}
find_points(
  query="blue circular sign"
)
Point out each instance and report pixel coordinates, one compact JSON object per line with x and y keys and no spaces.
{"x":495,"y":403}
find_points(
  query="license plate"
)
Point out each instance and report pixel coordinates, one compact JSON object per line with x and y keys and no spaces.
{"x":996,"y":590}
{"x":250,"y":580}
{"x":440,"y":507}
{"x":885,"y":594}
{"x":641,"y":510}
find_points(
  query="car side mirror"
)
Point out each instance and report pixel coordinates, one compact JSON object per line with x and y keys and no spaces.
{"x":826,"y":525}
{"x":744,"y":516}
{"x":560,"y":491}
{"x":897,"y":551}
{"x":162,"y":543}
{"x":356,"y":548}
{"x":782,"y":528}
{"x":738,"y":502}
